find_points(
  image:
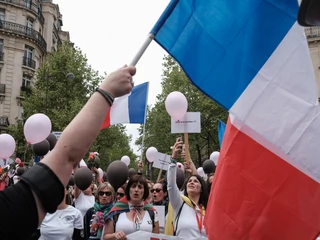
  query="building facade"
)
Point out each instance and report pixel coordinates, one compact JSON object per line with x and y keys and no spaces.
{"x":313,"y":36}
{"x":29,"y":29}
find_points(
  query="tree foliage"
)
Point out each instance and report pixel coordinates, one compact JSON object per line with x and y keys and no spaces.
{"x":61,"y":99}
{"x":158,"y":124}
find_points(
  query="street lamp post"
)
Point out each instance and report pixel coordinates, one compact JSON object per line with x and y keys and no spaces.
{"x":69,"y":76}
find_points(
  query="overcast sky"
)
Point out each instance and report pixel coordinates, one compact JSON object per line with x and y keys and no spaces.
{"x":111,"y":32}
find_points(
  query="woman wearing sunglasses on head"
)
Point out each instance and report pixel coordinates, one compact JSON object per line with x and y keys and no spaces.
{"x":160,"y":198}
{"x":94,"y":218}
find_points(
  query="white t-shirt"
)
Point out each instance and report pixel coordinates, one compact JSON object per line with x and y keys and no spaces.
{"x":61,"y":224}
{"x":83,"y":203}
{"x":125,"y":225}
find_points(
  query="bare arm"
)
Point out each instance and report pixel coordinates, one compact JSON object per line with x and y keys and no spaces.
{"x":84,"y":128}
{"x":109,"y":231}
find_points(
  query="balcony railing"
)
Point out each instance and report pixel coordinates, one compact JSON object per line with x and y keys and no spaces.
{"x":1,"y":56}
{"x":25,"y":31}
{"x":28,"y":4}
{"x":312,"y":32}
{"x":28,"y":62}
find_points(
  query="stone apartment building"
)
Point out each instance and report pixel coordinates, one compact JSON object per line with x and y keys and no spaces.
{"x":29,"y":29}
{"x":313,"y":36}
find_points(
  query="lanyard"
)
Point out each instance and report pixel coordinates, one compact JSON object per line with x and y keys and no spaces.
{"x":199,"y":219}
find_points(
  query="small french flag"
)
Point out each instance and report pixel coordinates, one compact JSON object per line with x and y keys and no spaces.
{"x":130,"y":108}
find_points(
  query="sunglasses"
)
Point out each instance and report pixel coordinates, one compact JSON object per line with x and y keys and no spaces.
{"x":120,"y":194}
{"x":108,"y":194}
{"x":157,"y":190}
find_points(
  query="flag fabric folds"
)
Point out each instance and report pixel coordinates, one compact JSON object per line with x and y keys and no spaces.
{"x":221,"y":130}
{"x":130,"y":108}
{"x":253,"y":59}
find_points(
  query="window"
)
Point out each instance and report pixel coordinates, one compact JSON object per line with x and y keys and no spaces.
{"x":28,"y":52}
{"x":1,"y":49}
{"x":28,"y":3}
{"x":26,"y":81}
{"x":2,"y":15}
{"x":29,"y":26}
{"x":20,"y":113}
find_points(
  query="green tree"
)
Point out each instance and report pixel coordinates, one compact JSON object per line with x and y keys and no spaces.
{"x":65,"y":98}
{"x":113,"y":143}
{"x":158,"y":124}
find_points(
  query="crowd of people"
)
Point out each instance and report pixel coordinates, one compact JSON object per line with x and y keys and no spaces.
{"x":53,"y":207}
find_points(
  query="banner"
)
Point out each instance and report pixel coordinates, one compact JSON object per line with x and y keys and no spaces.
{"x":141,"y":235}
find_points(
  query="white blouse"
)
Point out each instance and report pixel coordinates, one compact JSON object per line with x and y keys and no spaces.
{"x":188,"y":224}
{"x":83,"y":203}
{"x":61,"y":224}
{"x":125,"y":225}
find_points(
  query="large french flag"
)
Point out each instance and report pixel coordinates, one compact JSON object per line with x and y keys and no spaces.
{"x":252,"y":58}
{"x":130,"y":108}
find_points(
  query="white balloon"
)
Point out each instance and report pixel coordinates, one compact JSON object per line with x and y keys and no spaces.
{"x":37,"y":128}
{"x":126,"y":160}
{"x":176,"y":105}
{"x":215,"y":157}
{"x":151,"y":154}
{"x":180,"y":165}
{"x":200,"y":172}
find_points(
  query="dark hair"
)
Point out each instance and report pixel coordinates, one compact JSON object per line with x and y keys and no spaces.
{"x":164,"y":185}
{"x":124,"y":187}
{"x":135,"y":180}
{"x":209,"y":184}
{"x":203,"y":200}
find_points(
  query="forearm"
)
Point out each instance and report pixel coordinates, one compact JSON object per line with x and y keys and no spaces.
{"x":77,"y":138}
{"x":173,"y":191}
{"x":109,"y":236}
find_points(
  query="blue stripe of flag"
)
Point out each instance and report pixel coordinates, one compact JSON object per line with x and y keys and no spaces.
{"x":223,"y":44}
{"x":138,"y":103}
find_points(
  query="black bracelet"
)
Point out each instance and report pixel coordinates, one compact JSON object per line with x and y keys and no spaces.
{"x":173,"y":160}
{"x":107,"y":96}
{"x":47,"y":186}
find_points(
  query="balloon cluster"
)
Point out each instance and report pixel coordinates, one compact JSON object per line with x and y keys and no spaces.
{"x":36,"y":130}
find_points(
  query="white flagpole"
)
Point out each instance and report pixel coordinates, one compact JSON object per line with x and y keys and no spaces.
{"x":144,"y":124}
{"x":142,"y":49}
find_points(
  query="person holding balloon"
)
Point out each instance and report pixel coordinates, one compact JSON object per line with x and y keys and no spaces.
{"x":42,"y":187}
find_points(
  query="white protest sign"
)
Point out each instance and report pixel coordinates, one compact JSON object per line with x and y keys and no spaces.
{"x":142,"y":235}
{"x":162,"y":161}
{"x":161,"y":215}
{"x":191,"y":123}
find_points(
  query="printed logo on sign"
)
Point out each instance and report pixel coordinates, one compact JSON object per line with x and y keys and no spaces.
{"x":192,"y":121}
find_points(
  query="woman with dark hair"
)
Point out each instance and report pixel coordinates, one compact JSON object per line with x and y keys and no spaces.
{"x":132,"y":213}
{"x":121,"y":192}
{"x":189,"y":210}
{"x":160,"y":198}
